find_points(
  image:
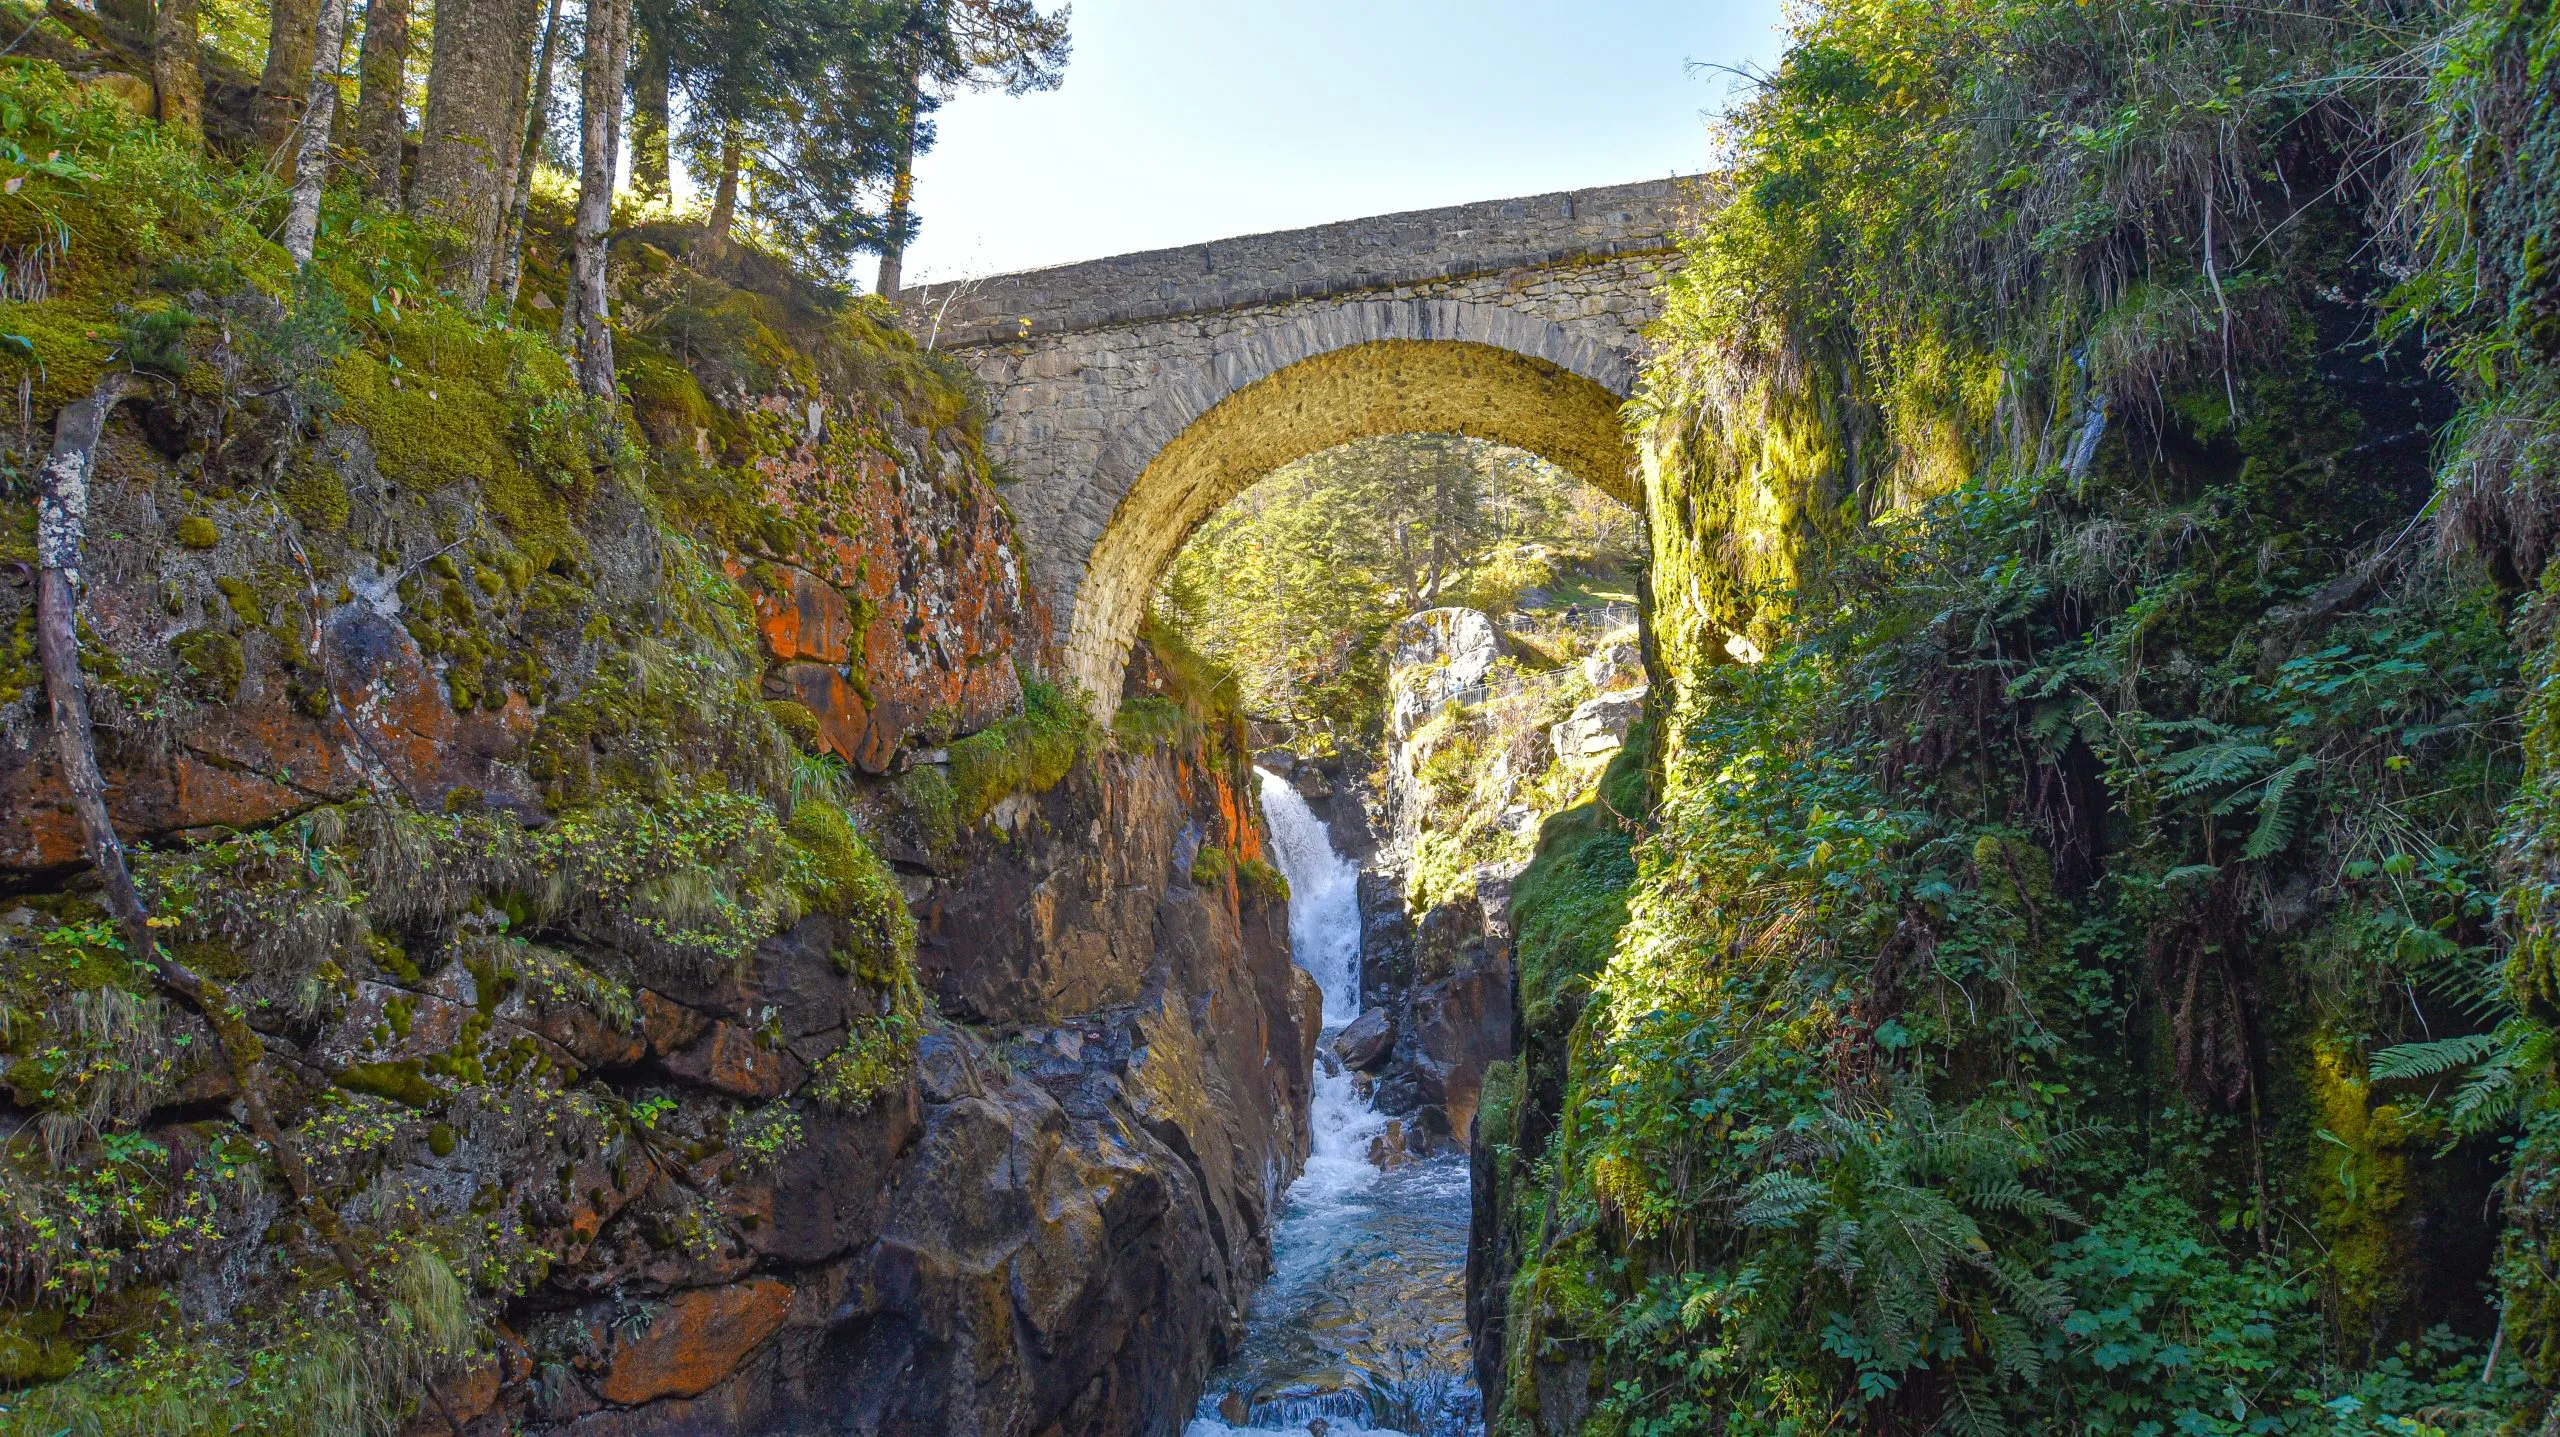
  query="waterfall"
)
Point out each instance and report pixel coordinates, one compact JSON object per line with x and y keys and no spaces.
{"x":1362,"y":1323}
{"x":1324,"y":897}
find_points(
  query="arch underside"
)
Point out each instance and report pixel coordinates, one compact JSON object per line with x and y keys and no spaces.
{"x":1359,"y":391}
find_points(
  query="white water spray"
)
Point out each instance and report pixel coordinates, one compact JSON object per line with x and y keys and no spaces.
{"x":1324,"y":897}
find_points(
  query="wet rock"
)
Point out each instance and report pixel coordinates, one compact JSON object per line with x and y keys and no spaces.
{"x":1405,"y":1092}
{"x":1367,"y":1043}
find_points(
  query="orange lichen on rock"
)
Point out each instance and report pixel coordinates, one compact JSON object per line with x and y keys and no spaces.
{"x":699,"y":1337}
{"x":908,"y":608}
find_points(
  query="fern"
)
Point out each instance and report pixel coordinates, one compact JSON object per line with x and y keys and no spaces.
{"x":1777,"y":1200}
{"x":2427,"y":1060}
{"x":2275,"y":830}
{"x":2237,"y":758}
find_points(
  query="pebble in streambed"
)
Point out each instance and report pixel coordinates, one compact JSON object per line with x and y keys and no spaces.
{"x":1362,"y":1326}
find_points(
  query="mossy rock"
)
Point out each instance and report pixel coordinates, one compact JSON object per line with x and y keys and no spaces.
{"x":211,"y":662}
{"x":844,"y":878}
{"x":198,"y":532}
{"x":33,"y":1349}
{"x":317,"y":497}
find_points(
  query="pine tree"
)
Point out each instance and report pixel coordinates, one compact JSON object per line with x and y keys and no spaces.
{"x":382,"y":116}
{"x":478,"y":60}
{"x":950,"y":45}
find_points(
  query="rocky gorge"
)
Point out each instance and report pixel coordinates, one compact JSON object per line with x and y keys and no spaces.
{"x":657,"y":955}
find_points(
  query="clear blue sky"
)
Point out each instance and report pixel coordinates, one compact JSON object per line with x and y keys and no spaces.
{"x":1187,"y":120}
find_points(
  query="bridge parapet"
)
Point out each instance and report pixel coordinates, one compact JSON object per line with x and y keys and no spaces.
{"x":1380,"y":252}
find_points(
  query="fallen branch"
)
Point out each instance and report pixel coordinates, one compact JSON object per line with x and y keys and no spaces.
{"x":62,"y":520}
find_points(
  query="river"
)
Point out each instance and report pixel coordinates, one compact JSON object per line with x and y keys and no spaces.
{"x":1362,"y":1326}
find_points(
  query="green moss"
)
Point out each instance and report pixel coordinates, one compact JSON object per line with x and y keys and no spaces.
{"x":1028,"y":753}
{"x":796,"y":719}
{"x":245,"y":600}
{"x":34,"y":1349}
{"x":1568,"y":905}
{"x":841,"y":876}
{"x":401,"y":1082}
{"x":211,"y":661}
{"x":198,"y":532}
{"x":317,"y":497}
{"x":930,"y":803}
{"x":1259,"y":880}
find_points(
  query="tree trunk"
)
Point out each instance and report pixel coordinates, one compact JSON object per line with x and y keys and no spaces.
{"x":902,"y":188}
{"x":177,"y":86}
{"x":724,"y":196}
{"x":382,"y":117}
{"x":475,"y":76}
{"x":537,"y":126}
{"x":292,"y":27}
{"x":599,"y":137}
{"x":319,"y":113}
{"x":649,"y":108}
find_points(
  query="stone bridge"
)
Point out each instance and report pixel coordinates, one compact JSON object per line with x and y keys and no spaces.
{"x":1133,"y":396}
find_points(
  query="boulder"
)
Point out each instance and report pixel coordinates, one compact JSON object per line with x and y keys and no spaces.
{"x":1440,"y":656}
{"x":1366,"y":1044}
{"x":1598,"y":726}
{"x":1611,"y":664}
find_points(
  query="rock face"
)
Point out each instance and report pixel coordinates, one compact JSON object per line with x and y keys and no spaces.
{"x":1053,"y":1225}
{"x":1598,"y":727}
{"x":706,"y":1164}
{"x":1440,"y":656}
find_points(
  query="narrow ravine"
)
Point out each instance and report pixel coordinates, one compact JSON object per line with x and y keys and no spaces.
{"x":1362,"y":1326}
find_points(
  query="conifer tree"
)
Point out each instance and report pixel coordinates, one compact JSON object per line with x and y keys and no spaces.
{"x":950,"y":45}
{"x":382,"y":116}
{"x":478,"y":59}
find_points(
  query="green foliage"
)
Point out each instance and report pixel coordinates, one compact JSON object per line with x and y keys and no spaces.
{"x":1027,"y":753}
{"x":1292,"y":586}
{"x":1212,"y":866}
{"x":1260,"y":881}
{"x":1983,"y":1049}
{"x":322,"y":1365}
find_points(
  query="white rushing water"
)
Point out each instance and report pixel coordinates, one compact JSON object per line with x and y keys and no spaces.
{"x":1361,"y":1325}
{"x":1324,"y":897}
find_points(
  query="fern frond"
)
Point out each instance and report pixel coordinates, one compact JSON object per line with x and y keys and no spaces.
{"x":2427,"y":1060}
{"x":1777,"y":1200}
{"x":2232,"y":760}
{"x":2276,"y":826}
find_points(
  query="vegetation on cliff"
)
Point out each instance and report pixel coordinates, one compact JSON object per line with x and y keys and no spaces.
{"x":447,"y":702}
{"x":2086,"y":974}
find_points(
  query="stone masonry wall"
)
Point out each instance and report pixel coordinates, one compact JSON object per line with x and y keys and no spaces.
{"x":1093,"y":370}
{"x":1378,"y":252}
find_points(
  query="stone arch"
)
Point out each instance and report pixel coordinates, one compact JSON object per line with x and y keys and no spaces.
{"x":1351,"y":373}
